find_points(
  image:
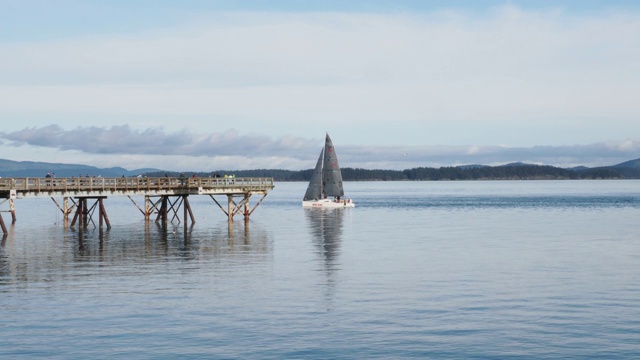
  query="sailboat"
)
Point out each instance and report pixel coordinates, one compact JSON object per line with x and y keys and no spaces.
{"x":325,"y":188}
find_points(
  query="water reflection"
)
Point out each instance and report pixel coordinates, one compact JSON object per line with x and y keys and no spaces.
{"x":326,"y":228}
{"x":53,"y":252}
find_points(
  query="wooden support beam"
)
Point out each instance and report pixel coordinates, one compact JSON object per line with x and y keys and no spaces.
{"x":238,"y":207}
{"x":246,"y":212}
{"x":185,"y":202}
{"x":147,"y":207}
{"x":188,"y":208}
{"x":143,"y":212}
{"x":4,"y":227}
{"x":13,"y":211}
{"x":85,"y":213}
{"x":106,"y":218}
{"x":162,"y":214}
{"x":59,"y":207}
{"x":220,"y":206}
{"x":100,"y":210}
{"x":78,"y":214}
{"x":254,"y":208}
{"x":65,"y":203}
{"x":90,"y":213}
{"x":103,"y":214}
{"x":174,"y":207}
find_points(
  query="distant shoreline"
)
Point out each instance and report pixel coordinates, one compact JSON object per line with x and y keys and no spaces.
{"x":506,"y":172}
{"x":514,"y":171}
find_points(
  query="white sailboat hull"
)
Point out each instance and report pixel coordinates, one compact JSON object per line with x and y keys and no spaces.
{"x":328,"y":203}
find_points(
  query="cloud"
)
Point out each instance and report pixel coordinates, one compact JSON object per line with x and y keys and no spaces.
{"x":597,"y":154}
{"x":155,"y":141}
{"x":232,"y":150}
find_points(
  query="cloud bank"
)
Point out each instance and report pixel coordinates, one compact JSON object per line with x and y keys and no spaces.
{"x":154,"y":141}
{"x":232,"y":150}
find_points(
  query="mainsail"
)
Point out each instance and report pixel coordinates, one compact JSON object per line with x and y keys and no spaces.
{"x":331,"y":175}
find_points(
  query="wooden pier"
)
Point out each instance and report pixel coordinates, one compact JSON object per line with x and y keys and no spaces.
{"x":163,"y":196}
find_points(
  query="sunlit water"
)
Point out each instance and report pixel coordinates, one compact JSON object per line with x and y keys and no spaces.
{"x":498,"y":269}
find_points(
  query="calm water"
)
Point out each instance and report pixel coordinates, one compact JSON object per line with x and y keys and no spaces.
{"x":497,"y":269}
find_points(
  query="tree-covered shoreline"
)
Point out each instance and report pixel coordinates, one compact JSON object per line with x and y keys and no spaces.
{"x":505,"y":172}
{"x":514,"y":171}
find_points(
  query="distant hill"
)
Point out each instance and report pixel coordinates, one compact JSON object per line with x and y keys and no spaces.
{"x":628,"y":169}
{"x":632,"y":164}
{"x":514,"y":171}
{"x":578,"y":168}
{"x":515,"y":164}
{"x":9,"y":168}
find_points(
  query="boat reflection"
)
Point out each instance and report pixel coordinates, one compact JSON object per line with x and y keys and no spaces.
{"x":326,"y":228}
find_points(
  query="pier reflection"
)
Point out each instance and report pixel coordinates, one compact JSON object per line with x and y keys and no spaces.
{"x":41,"y":256}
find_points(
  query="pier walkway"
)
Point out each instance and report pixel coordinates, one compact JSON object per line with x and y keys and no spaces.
{"x":170,"y":194}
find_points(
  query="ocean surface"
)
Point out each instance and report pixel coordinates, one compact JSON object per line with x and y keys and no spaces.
{"x":460,"y":270}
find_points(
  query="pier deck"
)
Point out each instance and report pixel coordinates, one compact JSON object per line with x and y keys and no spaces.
{"x":79,"y":190}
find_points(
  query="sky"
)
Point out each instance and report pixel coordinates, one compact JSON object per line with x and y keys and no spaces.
{"x":207,"y":85}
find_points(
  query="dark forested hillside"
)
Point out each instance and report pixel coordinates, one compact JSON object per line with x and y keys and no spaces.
{"x":512,"y":172}
{"x":629,"y":169}
{"x":505,"y":172}
{"x":350,"y":174}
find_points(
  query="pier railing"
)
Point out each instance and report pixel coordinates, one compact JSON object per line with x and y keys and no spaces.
{"x":42,"y":186}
